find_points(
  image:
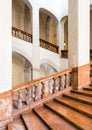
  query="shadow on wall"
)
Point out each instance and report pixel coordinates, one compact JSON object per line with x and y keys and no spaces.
{"x":46,"y":69}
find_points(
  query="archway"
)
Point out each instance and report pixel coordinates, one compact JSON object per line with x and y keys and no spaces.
{"x":21,"y":69}
{"x":64,"y":26}
{"x":21,"y":15}
{"x":48,"y":26}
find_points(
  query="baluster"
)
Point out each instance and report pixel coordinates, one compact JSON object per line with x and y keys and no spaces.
{"x":43,"y":89}
{"x":70,"y":79}
{"x":60,"y":83}
{"x":36,"y":92}
{"x":19,"y":99}
{"x":66,"y":81}
{"x":55,"y":85}
{"x":28,"y":94}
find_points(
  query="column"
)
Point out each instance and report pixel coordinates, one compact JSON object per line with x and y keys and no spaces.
{"x":5,"y":60}
{"x":79,"y":41}
{"x":36,"y":48}
{"x":60,"y":36}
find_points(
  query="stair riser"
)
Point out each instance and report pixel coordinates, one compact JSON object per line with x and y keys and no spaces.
{"x":76,"y":109}
{"x":80,"y":100}
{"x":85,"y":94}
{"x":65,"y":118}
{"x":89,"y":89}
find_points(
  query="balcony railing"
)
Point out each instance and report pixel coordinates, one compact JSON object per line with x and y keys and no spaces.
{"x":21,"y":34}
{"x":49,"y":46}
{"x":27,"y":94}
{"x":28,"y":37}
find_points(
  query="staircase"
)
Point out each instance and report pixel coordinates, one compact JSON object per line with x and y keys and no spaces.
{"x":70,"y":111}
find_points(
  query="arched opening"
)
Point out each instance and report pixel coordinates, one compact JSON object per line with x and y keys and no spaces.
{"x":48,"y":26}
{"x":21,"y":15}
{"x":64,"y":26}
{"x":21,"y":69}
{"x":66,"y":34}
{"x":46,"y":69}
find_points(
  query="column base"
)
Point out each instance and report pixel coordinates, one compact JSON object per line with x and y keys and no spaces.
{"x":81,"y":76}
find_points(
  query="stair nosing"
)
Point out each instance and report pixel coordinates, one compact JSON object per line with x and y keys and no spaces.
{"x":74,"y":108}
{"x":77,"y":99}
{"x":83,"y":93}
{"x":65,"y":118}
{"x":42,"y":119}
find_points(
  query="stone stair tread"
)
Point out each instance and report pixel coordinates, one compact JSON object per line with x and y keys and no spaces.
{"x":54,"y":121}
{"x":79,"y":97}
{"x":33,"y":122}
{"x":18,"y":124}
{"x":81,"y":107}
{"x":79,"y":120}
{"x":85,"y":92}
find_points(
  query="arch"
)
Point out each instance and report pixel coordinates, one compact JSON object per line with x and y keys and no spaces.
{"x":48,"y":26}
{"x":21,"y":52}
{"x":64,"y":26}
{"x":21,"y":15}
{"x":22,"y":69}
{"x":47,"y":12}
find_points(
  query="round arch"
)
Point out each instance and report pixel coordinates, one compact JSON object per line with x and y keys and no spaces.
{"x":22,"y":15}
{"x":22,"y":69}
{"x":64,"y":26}
{"x":48,"y":26}
{"x":21,"y":52}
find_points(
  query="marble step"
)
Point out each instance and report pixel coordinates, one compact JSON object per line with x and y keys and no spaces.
{"x":33,"y":122}
{"x":79,"y":120}
{"x":75,"y":105}
{"x":54,"y":121}
{"x":81,"y":98}
{"x":83,"y":92}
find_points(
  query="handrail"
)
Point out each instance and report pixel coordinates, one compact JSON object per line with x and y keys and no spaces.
{"x":48,"y":45}
{"x":30,"y":83}
{"x":32,"y":91}
{"x":21,"y":34}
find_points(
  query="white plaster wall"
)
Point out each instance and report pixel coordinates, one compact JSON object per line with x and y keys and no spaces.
{"x":22,"y":47}
{"x":5,"y":46}
{"x":83,"y":31}
{"x":58,"y":7}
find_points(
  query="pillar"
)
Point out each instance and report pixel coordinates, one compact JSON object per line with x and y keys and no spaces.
{"x":79,"y":41}
{"x":5,"y":60}
{"x":36,"y":48}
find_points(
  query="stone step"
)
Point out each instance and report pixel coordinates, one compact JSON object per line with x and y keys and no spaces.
{"x":33,"y":122}
{"x":87,"y":88}
{"x":79,"y":120}
{"x":83,"y":92}
{"x":54,"y":121}
{"x":18,"y":124}
{"x":75,"y":105}
{"x":81,"y":98}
